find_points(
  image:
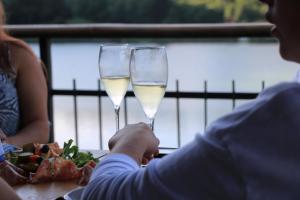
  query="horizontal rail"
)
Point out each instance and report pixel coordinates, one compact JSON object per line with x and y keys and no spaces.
{"x":223,"y":30}
{"x":196,"y":95}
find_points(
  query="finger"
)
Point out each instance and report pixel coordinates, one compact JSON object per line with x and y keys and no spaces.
{"x":145,"y":161}
{"x":3,"y":164}
{"x":155,"y":148}
{"x":144,"y":127}
{"x":13,"y":177}
{"x":156,"y":153}
{"x":149,"y":156}
{"x":86,"y":174}
{"x":157,"y":141}
{"x":112,"y":142}
{"x":2,"y":136}
{"x":17,"y":169}
{"x":114,"y":139}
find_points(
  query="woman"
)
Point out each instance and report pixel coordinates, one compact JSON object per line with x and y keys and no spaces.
{"x":23,"y":92}
{"x":252,"y":153}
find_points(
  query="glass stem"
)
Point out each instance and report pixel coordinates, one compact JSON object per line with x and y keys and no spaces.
{"x":151,"y":124}
{"x":117,"y":109}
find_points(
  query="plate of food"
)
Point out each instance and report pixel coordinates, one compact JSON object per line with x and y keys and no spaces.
{"x":37,"y":163}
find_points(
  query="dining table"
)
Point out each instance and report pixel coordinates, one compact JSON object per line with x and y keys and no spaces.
{"x":45,"y":191}
{"x":51,"y":190}
{"x":56,"y":190}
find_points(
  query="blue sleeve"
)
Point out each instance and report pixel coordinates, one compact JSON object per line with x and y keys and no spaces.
{"x":199,"y":170}
{"x":113,"y":178}
{"x":238,"y":156}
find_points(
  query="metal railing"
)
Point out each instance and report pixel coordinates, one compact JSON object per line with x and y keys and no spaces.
{"x":46,"y":33}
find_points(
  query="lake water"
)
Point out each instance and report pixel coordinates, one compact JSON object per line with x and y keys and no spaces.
{"x":189,"y":62}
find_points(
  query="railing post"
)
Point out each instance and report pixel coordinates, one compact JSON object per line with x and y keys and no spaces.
{"x":45,"y":54}
{"x":178,"y":115}
{"x":263,"y":85}
{"x":233,"y":94}
{"x":205,"y":104}
{"x":75,"y":112}
{"x":100,"y":115}
{"x":125,"y":111}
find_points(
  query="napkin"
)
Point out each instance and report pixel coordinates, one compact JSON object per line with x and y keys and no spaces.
{"x":9,"y":148}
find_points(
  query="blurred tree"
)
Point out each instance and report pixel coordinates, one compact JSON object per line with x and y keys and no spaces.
{"x":157,"y":10}
{"x":193,"y":14}
{"x":233,"y":9}
{"x":131,"y":11}
{"x":38,"y":11}
{"x":88,"y":10}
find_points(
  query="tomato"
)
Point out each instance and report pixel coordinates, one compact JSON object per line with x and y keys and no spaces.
{"x":34,"y":158}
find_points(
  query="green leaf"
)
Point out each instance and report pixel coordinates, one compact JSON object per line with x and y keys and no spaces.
{"x":79,"y":158}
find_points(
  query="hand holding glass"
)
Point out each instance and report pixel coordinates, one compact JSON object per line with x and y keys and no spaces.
{"x":149,"y":76}
{"x":114,"y":63}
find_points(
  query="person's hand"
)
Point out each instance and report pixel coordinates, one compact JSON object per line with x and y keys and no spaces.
{"x":86,"y":173}
{"x":137,"y":141}
{"x":11,"y":174}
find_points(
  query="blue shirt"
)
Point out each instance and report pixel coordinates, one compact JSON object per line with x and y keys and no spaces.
{"x":252,"y":153}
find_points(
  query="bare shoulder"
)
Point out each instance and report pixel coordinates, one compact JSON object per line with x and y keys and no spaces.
{"x":22,"y":56}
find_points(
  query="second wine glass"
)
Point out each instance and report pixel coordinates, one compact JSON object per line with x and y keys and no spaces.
{"x":114,"y":63}
{"x":149,"y":77}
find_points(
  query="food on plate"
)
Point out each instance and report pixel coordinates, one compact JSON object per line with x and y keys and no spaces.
{"x":71,"y":152}
{"x":48,"y":150}
{"x":48,"y":162}
{"x":60,"y":169}
{"x":28,"y":147}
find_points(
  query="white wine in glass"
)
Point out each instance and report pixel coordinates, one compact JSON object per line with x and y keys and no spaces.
{"x":114,"y":63}
{"x":116,"y":87}
{"x":149,"y":76}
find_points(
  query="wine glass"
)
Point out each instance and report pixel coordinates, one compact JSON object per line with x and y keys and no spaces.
{"x":114,"y":63}
{"x":149,"y":76}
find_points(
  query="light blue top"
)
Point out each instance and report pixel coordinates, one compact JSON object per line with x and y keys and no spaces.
{"x":9,"y":105}
{"x":252,"y":153}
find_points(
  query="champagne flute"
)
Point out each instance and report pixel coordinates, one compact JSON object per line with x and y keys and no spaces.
{"x":114,"y":63}
{"x":149,"y":76}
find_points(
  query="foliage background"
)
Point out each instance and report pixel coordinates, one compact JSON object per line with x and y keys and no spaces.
{"x":132,"y":11}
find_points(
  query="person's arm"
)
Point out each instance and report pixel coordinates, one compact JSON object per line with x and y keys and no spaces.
{"x":7,"y":193}
{"x":32,"y":92}
{"x":239,"y":153}
{"x":198,"y":170}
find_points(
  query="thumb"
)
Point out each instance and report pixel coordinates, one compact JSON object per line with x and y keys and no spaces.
{"x":2,"y":135}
